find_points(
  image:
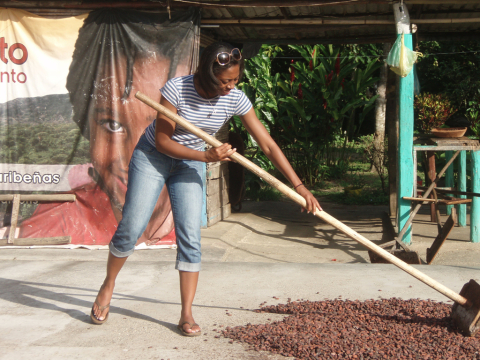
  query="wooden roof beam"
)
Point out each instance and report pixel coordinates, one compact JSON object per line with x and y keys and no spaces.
{"x":295,"y":3}
{"x":324,"y":40}
{"x":449,"y":36}
{"x":79,"y":4}
{"x":90,"y":5}
{"x":369,"y":39}
{"x":318,"y":22}
{"x":19,"y":4}
{"x":277,"y":3}
{"x":441,"y":2}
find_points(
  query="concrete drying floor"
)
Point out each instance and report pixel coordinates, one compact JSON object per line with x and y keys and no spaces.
{"x":270,"y":250}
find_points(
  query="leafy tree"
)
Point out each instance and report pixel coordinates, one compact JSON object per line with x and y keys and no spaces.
{"x":452,"y":69}
{"x":50,"y":144}
{"x":307,"y":108}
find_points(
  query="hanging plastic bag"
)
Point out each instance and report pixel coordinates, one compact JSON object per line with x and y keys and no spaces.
{"x":401,"y":59}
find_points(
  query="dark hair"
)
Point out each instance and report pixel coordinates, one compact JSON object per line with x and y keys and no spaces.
{"x":109,"y":35}
{"x":208,"y":67}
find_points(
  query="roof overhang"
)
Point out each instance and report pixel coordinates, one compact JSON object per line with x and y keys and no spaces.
{"x":297,"y":21}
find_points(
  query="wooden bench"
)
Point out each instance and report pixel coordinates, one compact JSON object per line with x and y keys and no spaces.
{"x":16,"y":199}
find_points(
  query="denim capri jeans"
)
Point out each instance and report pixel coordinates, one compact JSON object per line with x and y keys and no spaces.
{"x":148,"y":172}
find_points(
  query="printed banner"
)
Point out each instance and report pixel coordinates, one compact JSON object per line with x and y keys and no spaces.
{"x":22,"y":177}
{"x":69,"y":120}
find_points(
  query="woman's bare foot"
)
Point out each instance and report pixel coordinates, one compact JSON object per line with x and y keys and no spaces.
{"x":188,"y":326}
{"x":100,"y":308}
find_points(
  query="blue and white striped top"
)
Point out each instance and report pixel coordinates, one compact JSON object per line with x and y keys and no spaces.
{"x":207,"y":114}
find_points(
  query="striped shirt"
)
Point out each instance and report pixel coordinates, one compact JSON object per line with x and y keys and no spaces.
{"x":207,"y":114}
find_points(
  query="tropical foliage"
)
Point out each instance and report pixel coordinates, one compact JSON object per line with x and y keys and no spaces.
{"x":472,"y":113}
{"x":312,"y":108}
{"x":432,"y":110}
{"x":453,"y":69}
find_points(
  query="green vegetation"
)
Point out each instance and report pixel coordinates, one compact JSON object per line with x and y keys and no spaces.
{"x":47,"y":143}
{"x":453,"y":69}
{"x":313,"y":109}
{"x":359,"y":173}
{"x":314,"y":102}
{"x":431,"y":111}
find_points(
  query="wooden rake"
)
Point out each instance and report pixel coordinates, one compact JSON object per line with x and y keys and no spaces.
{"x":465,"y":311}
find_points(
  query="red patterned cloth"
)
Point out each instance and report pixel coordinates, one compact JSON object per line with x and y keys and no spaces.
{"x":90,"y":220}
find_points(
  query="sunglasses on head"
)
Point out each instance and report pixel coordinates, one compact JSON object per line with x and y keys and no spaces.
{"x":224,"y":58}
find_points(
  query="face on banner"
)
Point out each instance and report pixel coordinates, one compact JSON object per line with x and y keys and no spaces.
{"x":115,"y":54}
{"x":116,"y":124}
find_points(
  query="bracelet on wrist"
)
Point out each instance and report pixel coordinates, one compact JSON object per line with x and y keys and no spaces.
{"x":295,"y":188}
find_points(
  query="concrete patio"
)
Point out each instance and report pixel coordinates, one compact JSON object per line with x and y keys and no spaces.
{"x":269,"y":252}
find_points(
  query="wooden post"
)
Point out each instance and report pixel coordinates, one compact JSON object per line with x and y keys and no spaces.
{"x":392,"y":132}
{"x":405,"y":139}
{"x":449,"y":178}
{"x":462,"y":186}
{"x":380,"y":109}
{"x":432,"y":174}
{"x":13,"y":222}
{"x":475,"y":207}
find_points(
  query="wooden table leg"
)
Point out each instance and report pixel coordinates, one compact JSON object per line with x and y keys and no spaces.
{"x":475,"y":207}
{"x":14,"y":219}
{"x":449,"y":182}
{"x":437,"y":210}
{"x":442,"y":236}
{"x":432,"y":174}
{"x":462,"y":186}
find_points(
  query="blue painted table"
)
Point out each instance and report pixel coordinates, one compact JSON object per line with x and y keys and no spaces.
{"x":449,"y":145}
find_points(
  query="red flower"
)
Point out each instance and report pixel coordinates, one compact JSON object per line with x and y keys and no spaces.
{"x":329,"y":78}
{"x":292,"y":72}
{"x":337,"y":65}
{"x":300,"y":92}
{"x":311,"y":65}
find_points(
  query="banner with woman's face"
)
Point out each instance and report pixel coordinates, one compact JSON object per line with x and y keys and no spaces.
{"x":69,"y":117}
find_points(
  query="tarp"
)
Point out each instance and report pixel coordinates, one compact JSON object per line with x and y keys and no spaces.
{"x":69,"y":120}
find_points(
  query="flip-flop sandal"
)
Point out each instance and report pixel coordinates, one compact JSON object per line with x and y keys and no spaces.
{"x":185,"y":333}
{"x":95,"y":320}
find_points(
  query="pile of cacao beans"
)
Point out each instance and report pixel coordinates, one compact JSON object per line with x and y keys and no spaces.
{"x":372,"y":329}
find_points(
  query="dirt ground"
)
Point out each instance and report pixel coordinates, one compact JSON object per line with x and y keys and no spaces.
{"x":286,"y":219}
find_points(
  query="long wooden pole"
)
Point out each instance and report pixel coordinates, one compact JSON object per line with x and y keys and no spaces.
{"x":180,"y":4}
{"x":211,"y":4}
{"x":454,"y":192}
{"x":475,"y":208}
{"x":39,"y":197}
{"x":301,"y":201}
{"x":314,"y":21}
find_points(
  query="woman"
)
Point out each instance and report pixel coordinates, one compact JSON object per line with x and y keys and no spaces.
{"x":167,"y":154}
